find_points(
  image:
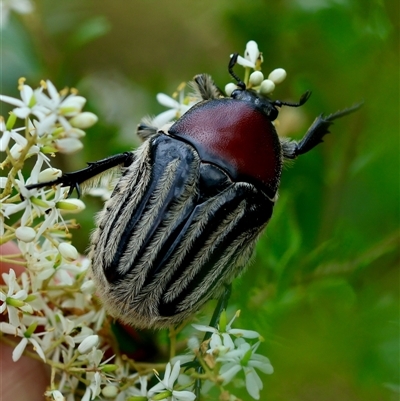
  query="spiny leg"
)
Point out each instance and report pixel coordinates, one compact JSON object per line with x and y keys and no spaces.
{"x":75,"y":178}
{"x":315,"y":134}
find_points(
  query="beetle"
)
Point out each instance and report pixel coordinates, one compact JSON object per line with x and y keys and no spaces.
{"x":191,"y":202}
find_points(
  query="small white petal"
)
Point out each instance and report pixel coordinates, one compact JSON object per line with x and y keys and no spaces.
{"x":228,"y":375}
{"x":4,"y":140}
{"x":19,"y":349}
{"x":62,"y":277}
{"x":167,"y":101}
{"x":183,"y":395}
{"x":88,"y":343}
{"x":46,"y":124}
{"x":25,"y":234}
{"x":228,"y":343}
{"x":244,"y":333}
{"x":51,"y":89}
{"x":215,"y":343}
{"x":16,"y":151}
{"x":8,"y":328}
{"x":278,"y":75}
{"x":22,"y":112}
{"x":245,"y":63}
{"x":201,"y":327}
{"x":19,"y":139}
{"x":160,"y":386}
{"x":12,"y":100}
{"x":72,"y":105}
{"x":253,"y":384}
{"x":267,"y":86}
{"x":38,"y":348}
{"x":266,"y":368}
{"x":164,"y":118}
{"x":26,"y":94}
{"x":86,"y":396}
{"x":174,"y":374}
{"x":252,"y":53}
{"x":55,"y":395}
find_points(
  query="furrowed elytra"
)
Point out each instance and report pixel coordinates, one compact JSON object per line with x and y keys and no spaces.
{"x":191,"y":202}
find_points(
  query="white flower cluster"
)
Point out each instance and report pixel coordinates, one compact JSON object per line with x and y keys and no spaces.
{"x":179,"y":104}
{"x":231,"y":354}
{"x":49,"y":309}
{"x":252,"y":60}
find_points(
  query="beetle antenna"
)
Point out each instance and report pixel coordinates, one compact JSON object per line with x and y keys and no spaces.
{"x":232,"y":63}
{"x":304,"y":97}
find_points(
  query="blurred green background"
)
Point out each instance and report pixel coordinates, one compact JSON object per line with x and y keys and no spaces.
{"x":323,"y":288}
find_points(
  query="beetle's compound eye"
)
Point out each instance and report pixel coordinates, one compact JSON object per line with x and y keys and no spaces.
{"x":236,"y":93}
{"x":272,"y":112}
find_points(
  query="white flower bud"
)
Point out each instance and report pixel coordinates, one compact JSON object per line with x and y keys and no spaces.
{"x":25,"y":234}
{"x":110,"y":391}
{"x":229,"y":88}
{"x":71,"y":205}
{"x":267,"y":86}
{"x":277,"y":76}
{"x":76,"y":133}
{"x":88,"y":343}
{"x":193,"y":343}
{"x":256,"y":78}
{"x":68,"y":145}
{"x":3,"y":182}
{"x":88,"y":287}
{"x":49,"y":174}
{"x":68,"y":251}
{"x":84,"y":120}
{"x":167,"y":101}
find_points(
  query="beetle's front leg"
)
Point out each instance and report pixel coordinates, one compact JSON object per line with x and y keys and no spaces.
{"x":75,"y":178}
{"x":315,"y":134}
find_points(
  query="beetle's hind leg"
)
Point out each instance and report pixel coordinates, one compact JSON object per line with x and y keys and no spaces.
{"x":315,"y":134}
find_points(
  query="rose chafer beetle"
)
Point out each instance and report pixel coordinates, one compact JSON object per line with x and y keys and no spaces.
{"x":191,"y":202}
